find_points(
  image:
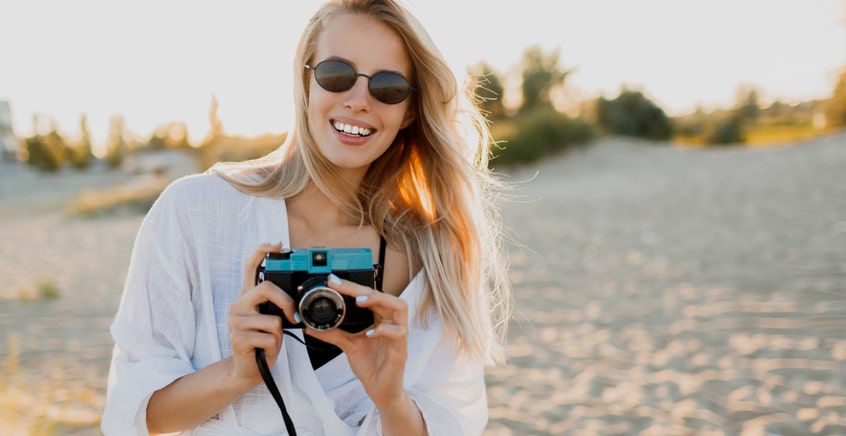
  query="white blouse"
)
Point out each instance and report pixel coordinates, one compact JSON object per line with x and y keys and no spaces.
{"x":186,"y":269}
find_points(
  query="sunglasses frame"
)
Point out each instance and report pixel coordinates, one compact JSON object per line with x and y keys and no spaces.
{"x":356,"y":75}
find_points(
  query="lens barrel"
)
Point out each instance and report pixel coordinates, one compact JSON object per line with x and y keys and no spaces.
{"x":322,"y":308}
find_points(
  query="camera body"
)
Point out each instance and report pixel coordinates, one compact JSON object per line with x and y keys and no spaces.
{"x":302,"y":274}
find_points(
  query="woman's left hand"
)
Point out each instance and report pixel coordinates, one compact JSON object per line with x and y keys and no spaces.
{"x":377,"y":355}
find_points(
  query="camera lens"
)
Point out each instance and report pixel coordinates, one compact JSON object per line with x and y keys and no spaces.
{"x":322,"y":308}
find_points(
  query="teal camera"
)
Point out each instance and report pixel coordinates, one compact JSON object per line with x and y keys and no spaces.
{"x":302,"y":274}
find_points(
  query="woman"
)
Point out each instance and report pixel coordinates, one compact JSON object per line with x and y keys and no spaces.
{"x":385,"y":148}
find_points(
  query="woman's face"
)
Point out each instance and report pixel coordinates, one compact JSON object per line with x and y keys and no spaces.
{"x":368,"y":46}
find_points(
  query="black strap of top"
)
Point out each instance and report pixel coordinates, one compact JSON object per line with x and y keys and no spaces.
{"x":380,"y":267}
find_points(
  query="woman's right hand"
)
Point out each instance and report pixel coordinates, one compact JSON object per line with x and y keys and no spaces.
{"x":249,"y":329}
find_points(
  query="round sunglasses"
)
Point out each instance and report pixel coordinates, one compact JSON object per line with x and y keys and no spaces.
{"x":338,"y":76}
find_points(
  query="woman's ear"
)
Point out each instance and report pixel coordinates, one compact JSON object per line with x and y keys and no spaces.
{"x":410,"y":116}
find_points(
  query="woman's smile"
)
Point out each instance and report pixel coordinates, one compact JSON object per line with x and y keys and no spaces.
{"x":351,"y":129}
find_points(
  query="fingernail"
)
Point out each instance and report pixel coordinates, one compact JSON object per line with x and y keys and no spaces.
{"x":370,"y":332}
{"x":361,"y":298}
{"x":297,"y":318}
{"x":334,"y":279}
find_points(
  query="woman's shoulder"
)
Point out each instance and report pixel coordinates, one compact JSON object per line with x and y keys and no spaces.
{"x":208,"y":196}
{"x":200,"y":189}
{"x":198,"y":184}
{"x":198,"y":193}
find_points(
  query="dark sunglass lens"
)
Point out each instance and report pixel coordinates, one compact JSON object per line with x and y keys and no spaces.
{"x":334,"y":76}
{"x":389,"y":87}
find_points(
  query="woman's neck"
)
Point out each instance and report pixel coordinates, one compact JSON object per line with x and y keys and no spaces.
{"x":314,"y":220}
{"x":317,"y":210}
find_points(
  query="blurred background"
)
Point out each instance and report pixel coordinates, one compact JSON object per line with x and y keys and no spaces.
{"x":678,"y":217}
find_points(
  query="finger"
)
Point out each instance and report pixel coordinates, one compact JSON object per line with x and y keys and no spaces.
{"x":261,"y":323}
{"x":347,"y":287}
{"x":245,"y":341}
{"x":387,"y":307}
{"x":249,"y":301}
{"x":388,"y":331}
{"x":366,"y":296}
{"x":254,"y":261}
{"x":335,"y":337}
{"x":250,"y":298}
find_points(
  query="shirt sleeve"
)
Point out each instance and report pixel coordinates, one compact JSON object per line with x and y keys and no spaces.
{"x":450,"y":392}
{"x":452,"y":399}
{"x":155,"y":324}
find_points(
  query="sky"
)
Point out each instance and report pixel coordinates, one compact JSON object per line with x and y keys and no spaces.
{"x":157,"y":61}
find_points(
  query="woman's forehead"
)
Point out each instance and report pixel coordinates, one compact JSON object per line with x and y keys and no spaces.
{"x":363,"y":41}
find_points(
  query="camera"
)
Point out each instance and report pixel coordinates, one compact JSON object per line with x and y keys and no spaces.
{"x":302,"y":274}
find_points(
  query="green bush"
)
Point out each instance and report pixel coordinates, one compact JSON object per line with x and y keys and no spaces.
{"x":80,"y":155}
{"x":632,"y":114}
{"x":539,"y":134}
{"x":46,"y":152}
{"x":41,"y":155}
{"x":724,"y":131}
{"x":47,"y":288}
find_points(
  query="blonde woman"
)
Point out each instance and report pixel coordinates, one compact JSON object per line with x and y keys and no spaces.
{"x":387,"y":154}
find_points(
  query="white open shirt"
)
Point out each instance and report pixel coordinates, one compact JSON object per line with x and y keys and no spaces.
{"x":186,"y":269}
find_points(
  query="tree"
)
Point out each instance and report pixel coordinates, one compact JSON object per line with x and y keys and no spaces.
{"x":46,"y":152}
{"x":177,"y":135}
{"x":541,"y":73}
{"x":80,"y":154}
{"x":748,"y":105}
{"x":116,"y":147}
{"x":216,"y":131}
{"x":835,"y":112}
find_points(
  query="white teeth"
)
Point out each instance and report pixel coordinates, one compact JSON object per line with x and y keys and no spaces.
{"x":349,"y":129}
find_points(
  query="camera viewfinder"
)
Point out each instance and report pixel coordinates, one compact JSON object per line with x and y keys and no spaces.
{"x":319,"y":258}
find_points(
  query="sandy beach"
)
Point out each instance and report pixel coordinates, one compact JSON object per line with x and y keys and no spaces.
{"x":659,"y":290}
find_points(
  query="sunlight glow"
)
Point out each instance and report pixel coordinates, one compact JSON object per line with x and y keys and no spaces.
{"x":157,"y":62}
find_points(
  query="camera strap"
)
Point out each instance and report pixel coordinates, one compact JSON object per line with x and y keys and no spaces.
{"x":264,"y":370}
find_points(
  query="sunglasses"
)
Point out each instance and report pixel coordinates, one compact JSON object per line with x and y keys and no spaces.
{"x":338,"y":76}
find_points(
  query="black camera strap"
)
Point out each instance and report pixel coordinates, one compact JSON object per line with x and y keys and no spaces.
{"x":264,"y":370}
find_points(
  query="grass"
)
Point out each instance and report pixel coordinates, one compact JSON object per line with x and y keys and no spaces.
{"x":44,"y":409}
{"x":759,"y":136}
{"x":139,"y":194}
{"x":45,"y":289}
{"x":762,"y":136}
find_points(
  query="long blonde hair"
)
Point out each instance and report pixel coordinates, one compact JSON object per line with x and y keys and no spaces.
{"x":430,"y":194}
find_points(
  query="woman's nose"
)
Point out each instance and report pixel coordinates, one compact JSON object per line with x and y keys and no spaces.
{"x":358,"y":97}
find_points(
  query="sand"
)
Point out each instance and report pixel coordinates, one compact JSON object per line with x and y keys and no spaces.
{"x":660,"y":291}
